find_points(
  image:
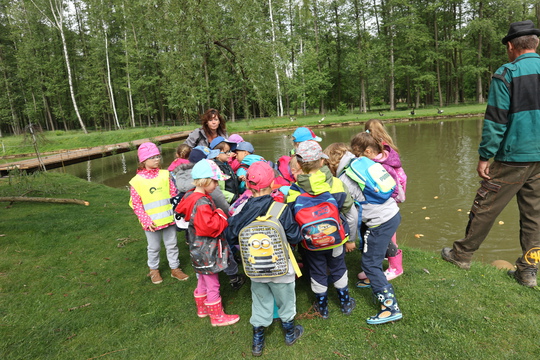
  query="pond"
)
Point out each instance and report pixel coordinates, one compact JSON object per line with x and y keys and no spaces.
{"x":440,"y":161}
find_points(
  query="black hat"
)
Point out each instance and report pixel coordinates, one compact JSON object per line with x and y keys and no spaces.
{"x":520,"y":28}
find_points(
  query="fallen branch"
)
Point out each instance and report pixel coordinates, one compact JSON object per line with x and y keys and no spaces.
{"x":46,"y":200}
{"x":79,"y":307}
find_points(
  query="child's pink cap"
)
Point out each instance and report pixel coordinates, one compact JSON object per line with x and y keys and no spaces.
{"x":260,"y":175}
{"x":236,"y":138}
{"x":147,"y":150}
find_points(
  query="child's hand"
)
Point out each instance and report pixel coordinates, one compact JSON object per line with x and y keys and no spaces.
{"x":242,"y":178}
{"x":350,"y":246}
{"x":152,"y":227}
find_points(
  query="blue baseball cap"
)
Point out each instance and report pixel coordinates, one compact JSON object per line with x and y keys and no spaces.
{"x":246,"y":146}
{"x":304,"y":134}
{"x":205,"y":169}
{"x":221,"y":139}
{"x":201,"y":152}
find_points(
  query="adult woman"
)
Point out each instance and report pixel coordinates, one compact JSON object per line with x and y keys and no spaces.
{"x":213,"y":125}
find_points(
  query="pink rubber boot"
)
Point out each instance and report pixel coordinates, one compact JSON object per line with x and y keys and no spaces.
{"x":395,"y":266}
{"x":218,"y":317}
{"x":202,"y":311}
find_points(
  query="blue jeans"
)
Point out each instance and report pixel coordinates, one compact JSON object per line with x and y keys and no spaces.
{"x":507,"y":180}
{"x":376,"y":240}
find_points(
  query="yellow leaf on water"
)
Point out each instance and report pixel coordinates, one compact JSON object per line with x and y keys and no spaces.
{"x":458,"y":209}
{"x":501,"y":222}
{"x":427,"y":218}
{"x":424,"y":208}
{"x":435,"y":197}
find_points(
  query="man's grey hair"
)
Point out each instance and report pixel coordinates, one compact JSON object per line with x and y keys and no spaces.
{"x":526,"y":42}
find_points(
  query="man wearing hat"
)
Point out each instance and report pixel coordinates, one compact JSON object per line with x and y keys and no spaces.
{"x":511,"y":136}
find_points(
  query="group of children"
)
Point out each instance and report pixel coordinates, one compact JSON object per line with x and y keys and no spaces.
{"x":235,"y":206}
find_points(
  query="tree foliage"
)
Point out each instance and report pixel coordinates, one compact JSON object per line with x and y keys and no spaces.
{"x":107,"y":64}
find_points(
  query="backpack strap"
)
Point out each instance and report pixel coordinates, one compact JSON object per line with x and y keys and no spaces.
{"x":275,"y":211}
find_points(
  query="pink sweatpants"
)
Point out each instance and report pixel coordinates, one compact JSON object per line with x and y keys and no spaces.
{"x":209,"y":285}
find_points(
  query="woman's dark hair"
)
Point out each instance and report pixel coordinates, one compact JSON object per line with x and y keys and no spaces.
{"x":207,"y":116}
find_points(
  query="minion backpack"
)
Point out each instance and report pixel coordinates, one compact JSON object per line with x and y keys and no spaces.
{"x":264,"y":247}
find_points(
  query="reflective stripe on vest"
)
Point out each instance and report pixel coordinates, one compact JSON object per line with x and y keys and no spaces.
{"x":155,"y":195}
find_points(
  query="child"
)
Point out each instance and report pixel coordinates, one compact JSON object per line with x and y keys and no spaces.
{"x":364,"y":144}
{"x":226,"y":150}
{"x":151,"y":191}
{"x":184,"y":183}
{"x":235,"y":164}
{"x":302,"y":134}
{"x":317,"y":185}
{"x":181,"y":156}
{"x":244,"y":154}
{"x":267,"y":290}
{"x":207,"y":246}
{"x":381,"y":221}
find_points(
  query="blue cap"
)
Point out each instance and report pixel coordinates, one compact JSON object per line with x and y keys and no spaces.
{"x":205,"y":169}
{"x":304,"y":134}
{"x":221,"y":139}
{"x":246,"y":146}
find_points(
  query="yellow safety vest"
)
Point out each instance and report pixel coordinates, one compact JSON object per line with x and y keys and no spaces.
{"x":155,"y":195}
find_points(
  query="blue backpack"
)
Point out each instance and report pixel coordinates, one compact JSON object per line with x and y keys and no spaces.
{"x":376,"y":183}
{"x":319,"y":219}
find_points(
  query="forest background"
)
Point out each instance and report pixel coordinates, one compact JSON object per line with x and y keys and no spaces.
{"x":111,"y":64}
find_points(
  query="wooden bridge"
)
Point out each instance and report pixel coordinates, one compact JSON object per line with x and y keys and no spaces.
{"x":69,"y":157}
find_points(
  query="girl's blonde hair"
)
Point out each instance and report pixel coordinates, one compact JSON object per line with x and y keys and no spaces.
{"x":376,"y":128}
{"x":361,"y":141}
{"x":203,"y":182}
{"x":183,"y":151}
{"x":335,"y":152}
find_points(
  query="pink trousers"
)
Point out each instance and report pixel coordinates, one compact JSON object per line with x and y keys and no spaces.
{"x":209,"y":285}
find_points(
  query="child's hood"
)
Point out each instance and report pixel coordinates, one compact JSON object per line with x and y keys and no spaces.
{"x":318,"y":182}
{"x":392,"y":157}
{"x":185,"y":206}
{"x":345,"y":160}
{"x":251,"y":158}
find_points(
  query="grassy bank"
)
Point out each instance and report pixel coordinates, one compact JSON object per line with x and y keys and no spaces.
{"x":73,"y":286}
{"x":60,"y":140}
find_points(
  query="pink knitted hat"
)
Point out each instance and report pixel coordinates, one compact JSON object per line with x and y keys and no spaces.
{"x":147,"y":150}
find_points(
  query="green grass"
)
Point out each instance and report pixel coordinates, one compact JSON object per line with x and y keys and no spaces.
{"x":60,"y":140}
{"x":68,"y":291}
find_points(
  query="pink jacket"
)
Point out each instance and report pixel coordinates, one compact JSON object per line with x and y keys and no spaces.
{"x":391,"y":161}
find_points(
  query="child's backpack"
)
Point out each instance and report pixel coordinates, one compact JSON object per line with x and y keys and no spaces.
{"x":376,"y":183}
{"x":263,"y":246}
{"x":319,"y":220}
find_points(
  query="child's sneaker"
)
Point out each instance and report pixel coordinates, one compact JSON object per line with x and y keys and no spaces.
{"x":392,"y":273}
{"x":237,"y":281}
{"x":365,"y":283}
{"x":155,"y":276}
{"x":179,"y":274}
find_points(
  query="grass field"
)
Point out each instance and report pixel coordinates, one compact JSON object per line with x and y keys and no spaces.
{"x":73,"y":285}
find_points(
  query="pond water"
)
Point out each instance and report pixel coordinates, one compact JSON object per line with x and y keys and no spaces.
{"x":440,"y":161}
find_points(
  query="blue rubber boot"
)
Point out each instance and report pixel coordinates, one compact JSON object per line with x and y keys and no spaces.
{"x":321,"y":305}
{"x":292,"y":332}
{"x":389,"y":307}
{"x":346,"y":302}
{"x":258,"y":340}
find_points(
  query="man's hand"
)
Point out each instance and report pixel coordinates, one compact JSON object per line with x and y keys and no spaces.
{"x":483,"y":169}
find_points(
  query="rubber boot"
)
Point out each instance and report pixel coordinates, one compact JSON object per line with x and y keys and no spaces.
{"x":202,"y":311}
{"x":258,"y":340}
{"x":321,"y":305}
{"x":292,"y":332}
{"x":218,"y":317}
{"x":346,"y":302}
{"x":389,"y":307}
{"x":395,"y":266}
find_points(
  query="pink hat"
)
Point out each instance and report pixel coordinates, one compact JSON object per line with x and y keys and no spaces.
{"x":147,"y":150}
{"x":236,"y":138}
{"x":259,"y":175}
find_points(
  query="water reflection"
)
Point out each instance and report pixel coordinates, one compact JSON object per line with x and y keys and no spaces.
{"x":439,"y":158}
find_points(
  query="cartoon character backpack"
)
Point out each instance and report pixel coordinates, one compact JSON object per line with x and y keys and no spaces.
{"x":376,"y":183}
{"x":263,"y":246}
{"x":319,"y":220}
